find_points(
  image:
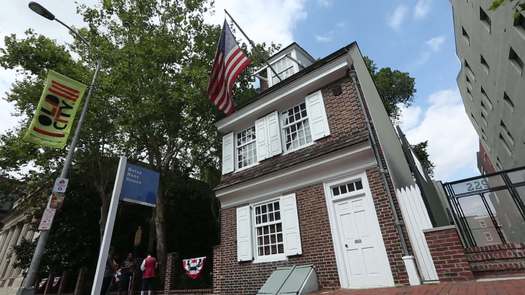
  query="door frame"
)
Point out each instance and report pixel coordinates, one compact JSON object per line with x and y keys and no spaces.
{"x":344,"y":280}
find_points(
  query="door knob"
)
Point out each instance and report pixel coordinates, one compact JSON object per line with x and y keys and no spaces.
{"x":346,"y":245}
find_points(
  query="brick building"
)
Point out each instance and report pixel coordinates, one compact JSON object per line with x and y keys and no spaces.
{"x":310,"y":169}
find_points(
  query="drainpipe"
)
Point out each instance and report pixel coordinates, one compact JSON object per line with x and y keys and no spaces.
{"x":383,"y":171}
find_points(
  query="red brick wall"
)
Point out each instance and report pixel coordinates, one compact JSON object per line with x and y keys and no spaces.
{"x":497,"y":259}
{"x":232,"y":277}
{"x":448,"y":254}
{"x":347,"y":127}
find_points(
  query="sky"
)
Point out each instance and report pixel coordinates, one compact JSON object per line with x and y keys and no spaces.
{"x":414,"y":36}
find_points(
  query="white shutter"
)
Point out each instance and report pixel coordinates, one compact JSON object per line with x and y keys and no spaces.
{"x":317,"y":115}
{"x":292,"y":236}
{"x":274,"y":134}
{"x":244,"y":234}
{"x":261,"y":138}
{"x":227,"y":153}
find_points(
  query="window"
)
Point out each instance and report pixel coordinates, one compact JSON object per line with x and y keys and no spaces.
{"x":246,"y":148}
{"x":469,"y":70}
{"x":516,"y":61}
{"x":485,"y":100}
{"x":296,"y":128}
{"x":484,"y":64}
{"x":268,"y":229}
{"x":466,"y":37}
{"x":519,"y":24}
{"x":498,"y":164}
{"x":284,"y":67}
{"x":508,"y":101}
{"x":484,"y":18}
{"x":347,"y":188}
{"x":505,"y":144}
{"x":507,"y":132}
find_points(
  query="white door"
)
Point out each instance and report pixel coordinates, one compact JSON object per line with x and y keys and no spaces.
{"x":364,"y":254}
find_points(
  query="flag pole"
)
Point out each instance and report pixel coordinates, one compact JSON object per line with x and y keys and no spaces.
{"x":251,"y":42}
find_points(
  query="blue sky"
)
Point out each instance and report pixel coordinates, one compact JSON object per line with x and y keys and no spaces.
{"x":410,"y":35}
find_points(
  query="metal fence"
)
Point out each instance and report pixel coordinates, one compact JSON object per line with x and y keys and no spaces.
{"x":489,"y":209}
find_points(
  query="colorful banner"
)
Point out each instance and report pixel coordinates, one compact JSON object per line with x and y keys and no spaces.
{"x":193,"y":267}
{"x":56,"y":111}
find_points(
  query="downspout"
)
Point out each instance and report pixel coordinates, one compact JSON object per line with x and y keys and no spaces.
{"x":382,"y":170}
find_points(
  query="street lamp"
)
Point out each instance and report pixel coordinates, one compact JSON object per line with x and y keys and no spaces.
{"x":27,"y":287}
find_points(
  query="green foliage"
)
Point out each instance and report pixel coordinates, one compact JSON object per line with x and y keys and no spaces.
{"x":395,"y":87}
{"x":519,"y":6}
{"x":421,"y":152}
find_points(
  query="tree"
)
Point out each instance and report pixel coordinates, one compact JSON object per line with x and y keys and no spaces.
{"x":421,"y":152}
{"x":158,"y":66}
{"x":395,"y":87}
{"x":398,"y":88}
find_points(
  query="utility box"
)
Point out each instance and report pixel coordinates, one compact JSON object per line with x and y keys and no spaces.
{"x":291,"y":280}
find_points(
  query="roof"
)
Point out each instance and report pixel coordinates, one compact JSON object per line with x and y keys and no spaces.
{"x":298,"y":75}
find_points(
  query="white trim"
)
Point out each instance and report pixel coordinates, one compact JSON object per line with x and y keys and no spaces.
{"x":299,"y":85}
{"x":255,"y":251}
{"x":344,"y":281}
{"x":309,"y":173}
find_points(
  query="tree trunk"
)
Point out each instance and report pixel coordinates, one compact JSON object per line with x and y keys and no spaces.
{"x":104,"y":208}
{"x":63,"y":282}
{"x":160,"y":230}
{"x":81,"y":278}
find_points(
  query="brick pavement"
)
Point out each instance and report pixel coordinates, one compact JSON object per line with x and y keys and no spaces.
{"x":503,"y":287}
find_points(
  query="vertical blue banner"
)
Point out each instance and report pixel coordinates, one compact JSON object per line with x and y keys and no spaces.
{"x":140,"y":185}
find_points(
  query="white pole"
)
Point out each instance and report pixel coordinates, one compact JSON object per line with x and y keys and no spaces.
{"x":108,"y":231}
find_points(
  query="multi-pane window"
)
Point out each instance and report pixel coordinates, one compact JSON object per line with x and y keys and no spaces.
{"x":347,"y":188}
{"x":296,"y":129}
{"x":246,"y":148}
{"x":284,"y":68}
{"x":268,"y":229}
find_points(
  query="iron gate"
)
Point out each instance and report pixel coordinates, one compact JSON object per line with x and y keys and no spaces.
{"x":489,"y":209}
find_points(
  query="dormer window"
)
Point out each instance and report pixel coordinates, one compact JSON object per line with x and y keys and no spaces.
{"x":296,"y":128}
{"x":284,"y":67}
{"x":246,"y":148}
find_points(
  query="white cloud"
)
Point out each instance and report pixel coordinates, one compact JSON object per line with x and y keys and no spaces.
{"x":410,"y":116}
{"x":422,"y":8}
{"x":268,"y":21}
{"x":453,"y":143}
{"x":395,"y":20}
{"x":436,"y":43}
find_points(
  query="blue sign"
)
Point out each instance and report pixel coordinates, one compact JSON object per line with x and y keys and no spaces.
{"x":140,"y":185}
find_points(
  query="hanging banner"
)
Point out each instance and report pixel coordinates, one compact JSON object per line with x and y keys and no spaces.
{"x":193,"y":267}
{"x":55,"y":111}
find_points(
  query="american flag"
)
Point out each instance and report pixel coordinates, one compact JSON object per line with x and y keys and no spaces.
{"x":229,"y":63}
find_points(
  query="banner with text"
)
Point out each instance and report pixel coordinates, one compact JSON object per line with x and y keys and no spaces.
{"x":55,"y":111}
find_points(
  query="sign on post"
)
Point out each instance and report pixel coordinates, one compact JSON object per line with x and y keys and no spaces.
{"x":135,"y":184}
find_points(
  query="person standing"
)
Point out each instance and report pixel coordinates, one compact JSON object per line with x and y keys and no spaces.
{"x":148,"y":267}
{"x":109,"y":272}
{"x":127,"y":269}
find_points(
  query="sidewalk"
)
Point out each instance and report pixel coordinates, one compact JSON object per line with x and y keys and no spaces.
{"x":502,"y":287}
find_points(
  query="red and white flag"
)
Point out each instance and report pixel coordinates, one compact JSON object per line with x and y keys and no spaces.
{"x":229,"y":63}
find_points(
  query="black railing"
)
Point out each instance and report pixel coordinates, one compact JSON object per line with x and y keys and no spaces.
{"x":489,"y":209}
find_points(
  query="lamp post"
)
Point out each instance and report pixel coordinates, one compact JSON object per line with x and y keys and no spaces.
{"x":27,"y":287}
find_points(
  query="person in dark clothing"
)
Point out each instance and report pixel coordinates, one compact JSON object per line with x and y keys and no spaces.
{"x":109,"y":271}
{"x":127,"y":270}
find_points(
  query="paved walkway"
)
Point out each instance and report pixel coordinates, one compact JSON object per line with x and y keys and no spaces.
{"x":504,"y":287}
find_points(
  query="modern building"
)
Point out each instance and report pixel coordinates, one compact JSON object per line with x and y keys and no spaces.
{"x":311,"y":168}
{"x":491,"y":48}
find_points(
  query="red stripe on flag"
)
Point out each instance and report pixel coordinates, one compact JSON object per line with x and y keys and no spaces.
{"x":75,"y":91}
{"x":61,"y":94}
{"x":48,"y":133}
